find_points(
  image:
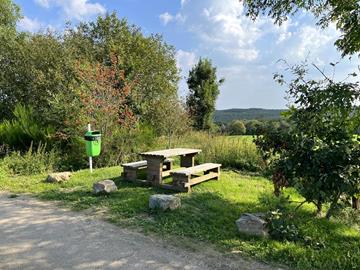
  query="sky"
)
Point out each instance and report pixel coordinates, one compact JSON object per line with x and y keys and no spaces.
{"x":246,"y":53}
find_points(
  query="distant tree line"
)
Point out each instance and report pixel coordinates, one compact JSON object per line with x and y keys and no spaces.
{"x":252,"y":127}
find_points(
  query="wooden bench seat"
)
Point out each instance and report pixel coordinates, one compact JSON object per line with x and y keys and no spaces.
{"x":131,"y":169}
{"x":185,"y":178}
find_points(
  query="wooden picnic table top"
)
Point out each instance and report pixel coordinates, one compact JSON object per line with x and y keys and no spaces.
{"x":167,"y":153}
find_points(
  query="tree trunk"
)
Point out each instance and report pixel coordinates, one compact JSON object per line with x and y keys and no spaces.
{"x":356,"y":203}
{"x":332,"y":207}
{"x":319,"y":209}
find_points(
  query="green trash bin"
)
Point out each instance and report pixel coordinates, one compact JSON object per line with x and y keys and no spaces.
{"x":93,"y":143}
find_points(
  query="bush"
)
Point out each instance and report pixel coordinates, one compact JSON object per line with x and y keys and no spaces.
{"x":237,"y":127}
{"x":32,"y":162}
{"x":281,"y":228}
{"x":4,"y":172}
{"x":24,"y":129}
{"x":125,"y":144}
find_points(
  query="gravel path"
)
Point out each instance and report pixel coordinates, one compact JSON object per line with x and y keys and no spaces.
{"x":39,"y":235}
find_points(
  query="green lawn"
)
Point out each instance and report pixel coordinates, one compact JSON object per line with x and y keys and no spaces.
{"x":208,"y":214}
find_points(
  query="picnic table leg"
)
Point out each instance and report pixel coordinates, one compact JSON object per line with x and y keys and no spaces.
{"x":187,"y":160}
{"x":154,"y":170}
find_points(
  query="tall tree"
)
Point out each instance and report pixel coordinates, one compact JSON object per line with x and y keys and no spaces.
{"x":9,"y":14}
{"x":148,"y":60}
{"x":345,"y":13}
{"x":204,"y":90}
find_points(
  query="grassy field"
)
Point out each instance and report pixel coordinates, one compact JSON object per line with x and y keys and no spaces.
{"x":208,"y":215}
{"x":236,"y":152}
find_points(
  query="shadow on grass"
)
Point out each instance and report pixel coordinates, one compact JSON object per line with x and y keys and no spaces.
{"x":210,"y":216}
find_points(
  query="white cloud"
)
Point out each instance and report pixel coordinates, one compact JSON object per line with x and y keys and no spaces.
{"x":283,"y":31}
{"x":225,"y":28}
{"x":166,"y":18}
{"x":43,"y":3}
{"x":313,"y":40}
{"x":29,"y":25}
{"x":75,"y":9}
{"x":184,"y":2}
{"x":185,"y":60}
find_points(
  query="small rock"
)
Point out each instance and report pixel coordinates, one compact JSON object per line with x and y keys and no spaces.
{"x":164,"y":202}
{"x":58,"y":177}
{"x":252,"y":224}
{"x":104,"y":187}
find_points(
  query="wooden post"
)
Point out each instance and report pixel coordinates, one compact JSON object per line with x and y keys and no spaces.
{"x":90,"y":158}
{"x":154,"y":170}
{"x":130,"y":174}
{"x":187,"y":160}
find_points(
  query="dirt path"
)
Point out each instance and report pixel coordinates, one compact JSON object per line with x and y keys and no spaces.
{"x":38,"y":235}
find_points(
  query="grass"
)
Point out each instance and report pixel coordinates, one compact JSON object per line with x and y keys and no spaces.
{"x":238,"y":152}
{"x":208,"y":214}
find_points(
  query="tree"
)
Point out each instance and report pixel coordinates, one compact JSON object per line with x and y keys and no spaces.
{"x":148,"y":60}
{"x":237,"y":127}
{"x":204,"y":90}
{"x":253,"y":127}
{"x":319,"y":155}
{"x":9,"y":14}
{"x":170,"y":119}
{"x":345,"y":13}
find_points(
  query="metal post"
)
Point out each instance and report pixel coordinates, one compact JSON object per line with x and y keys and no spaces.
{"x":90,"y":158}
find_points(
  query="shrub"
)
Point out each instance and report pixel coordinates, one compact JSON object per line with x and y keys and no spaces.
{"x":237,"y":127}
{"x":281,"y":228}
{"x":32,"y":162}
{"x":24,"y":129}
{"x":318,"y":156}
{"x":4,"y":172}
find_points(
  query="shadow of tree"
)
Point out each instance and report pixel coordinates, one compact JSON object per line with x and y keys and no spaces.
{"x":210,"y":216}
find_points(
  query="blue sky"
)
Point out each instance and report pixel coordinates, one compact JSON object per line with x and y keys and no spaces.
{"x":246,"y":53}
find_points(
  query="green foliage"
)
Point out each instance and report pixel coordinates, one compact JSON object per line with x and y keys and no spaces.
{"x":125,"y":145}
{"x":237,"y":152}
{"x":149,"y":62}
{"x":207,"y":216}
{"x":105,"y":72}
{"x":318,"y":155}
{"x":346,"y":15}
{"x":30,"y":163}
{"x":237,"y":127}
{"x":281,"y":228}
{"x":169,"y":118}
{"x":9,"y":14}
{"x":204,"y":90}
{"x":24,"y":129}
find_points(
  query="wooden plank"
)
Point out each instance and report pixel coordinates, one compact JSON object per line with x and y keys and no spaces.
{"x":171,"y":152}
{"x":167,"y":173}
{"x":200,"y":179}
{"x":136,"y":165}
{"x":198,"y":169}
{"x":142,"y":164}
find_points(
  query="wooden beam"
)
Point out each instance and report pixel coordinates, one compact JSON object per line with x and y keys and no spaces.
{"x":202,"y":178}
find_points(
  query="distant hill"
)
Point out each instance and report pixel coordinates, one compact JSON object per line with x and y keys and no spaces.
{"x":226,"y":116}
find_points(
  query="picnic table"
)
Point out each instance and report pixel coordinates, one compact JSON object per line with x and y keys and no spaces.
{"x":155,"y":160}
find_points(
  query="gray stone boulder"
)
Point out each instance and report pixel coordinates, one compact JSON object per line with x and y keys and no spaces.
{"x":104,"y":187}
{"x":164,"y":202}
{"x":252,"y":224}
{"x":58,"y":177}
